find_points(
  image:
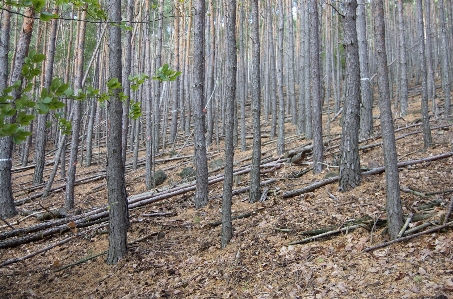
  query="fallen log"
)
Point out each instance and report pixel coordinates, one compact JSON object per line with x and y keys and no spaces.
{"x":42,"y":230}
{"x":373,"y":171}
{"x":432,"y":230}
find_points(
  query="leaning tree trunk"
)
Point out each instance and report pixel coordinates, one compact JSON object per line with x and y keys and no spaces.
{"x":201,"y":163}
{"x":318,"y":147}
{"x":349,"y":150}
{"x":116,"y":185}
{"x":7,"y":207}
{"x":76,"y":118}
{"x":394,"y":209}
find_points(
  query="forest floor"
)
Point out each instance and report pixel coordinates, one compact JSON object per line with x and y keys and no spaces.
{"x":178,"y":254}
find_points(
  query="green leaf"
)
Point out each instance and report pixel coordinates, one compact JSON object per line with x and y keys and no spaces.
{"x":20,"y":136}
{"x":28,"y":87}
{"x":62,"y":89}
{"x":42,"y":108}
{"x":38,"y":57}
{"x":10,"y":129}
{"x":56,"y":83}
{"x":113,"y":84}
{"x":24,"y":119}
{"x":47,"y":16}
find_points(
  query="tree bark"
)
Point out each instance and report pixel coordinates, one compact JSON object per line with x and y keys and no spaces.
{"x":255,"y":193}
{"x":318,"y":147}
{"x":201,"y":164}
{"x":76,"y":118}
{"x":402,"y":84}
{"x":281,"y":100}
{"x":445,"y":58}
{"x":7,"y":207}
{"x":230,"y":78}
{"x":41,"y":137}
{"x":366,"y":111}
{"x":349,"y":150}
{"x":116,"y":186}
{"x":393,"y":202}
{"x":427,"y":139}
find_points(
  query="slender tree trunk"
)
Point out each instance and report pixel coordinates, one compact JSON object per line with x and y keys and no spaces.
{"x":403,"y":89}
{"x":318,"y":147}
{"x":349,"y":150}
{"x":116,"y":186}
{"x":41,"y":137}
{"x":176,"y":85}
{"x":308,"y":65}
{"x":255,"y":193}
{"x":394,"y":209}
{"x":272,"y":71}
{"x":424,"y":73}
{"x":7,"y":207}
{"x":366,"y":111}
{"x":127,"y":71}
{"x":291,"y":78}
{"x":230,"y":77}
{"x":201,"y":164}
{"x":281,"y":100}
{"x":76,"y":119}
{"x":4,"y":46}
{"x":445,"y":58}
{"x":429,"y":55}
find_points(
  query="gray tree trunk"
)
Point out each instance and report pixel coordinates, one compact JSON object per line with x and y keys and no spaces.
{"x":272,"y":72}
{"x":444,"y":57}
{"x":41,"y":137}
{"x":366,"y":111}
{"x":76,"y":118}
{"x":318,"y":147}
{"x":230,"y":78}
{"x":201,"y":163}
{"x":393,"y":203}
{"x":291,"y":79}
{"x":7,"y":207}
{"x":176,"y":85}
{"x":255,"y":193}
{"x":116,"y":186}
{"x":424,"y":73}
{"x":4,"y":46}
{"x":281,"y":100}
{"x":349,"y":149}
{"x":127,"y":71}
{"x":402,"y":83}
{"x":307,"y":64}
{"x":429,"y":54}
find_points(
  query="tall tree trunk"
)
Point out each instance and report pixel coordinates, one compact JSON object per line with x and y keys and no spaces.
{"x":349,"y":150}
{"x":40,"y":143}
{"x":201,"y":164}
{"x":402,"y":83}
{"x":230,"y":77}
{"x":281,"y":100}
{"x":424,"y":73}
{"x":366,"y":113}
{"x":394,"y":209}
{"x":291,"y":78}
{"x":4,"y":46}
{"x":7,"y":207}
{"x":272,"y":71}
{"x":429,"y":55}
{"x":177,"y":83}
{"x":318,"y":147}
{"x":116,"y":186}
{"x":445,"y":58}
{"x":307,"y":65}
{"x":255,"y":193}
{"x":76,"y":118}
{"x":127,"y":71}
